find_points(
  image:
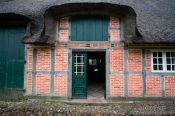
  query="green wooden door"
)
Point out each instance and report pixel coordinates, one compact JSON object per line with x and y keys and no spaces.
{"x":11,"y":57}
{"x":79,"y":75}
{"x":89,"y":28}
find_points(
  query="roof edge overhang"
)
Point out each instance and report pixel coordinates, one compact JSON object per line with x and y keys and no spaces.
{"x":53,"y":13}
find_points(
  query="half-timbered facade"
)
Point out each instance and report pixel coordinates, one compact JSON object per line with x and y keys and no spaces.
{"x":74,"y":50}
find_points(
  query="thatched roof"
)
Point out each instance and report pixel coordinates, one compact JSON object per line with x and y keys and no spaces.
{"x":155,"y":19}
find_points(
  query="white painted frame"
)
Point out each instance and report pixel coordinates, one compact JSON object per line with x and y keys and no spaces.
{"x":164,"y":61}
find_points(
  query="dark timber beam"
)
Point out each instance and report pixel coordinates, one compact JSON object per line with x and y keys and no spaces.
{"x":34,"y":71}
{"x":126,"y":71}
{"x":143,"y":72}
{"x":52,"y":74}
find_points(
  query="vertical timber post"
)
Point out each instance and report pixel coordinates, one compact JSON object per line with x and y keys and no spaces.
{"x":143,"y":72}
{"x":126,"y":70}
{"x":34,"y":71}
{"x":107,"y":73}
{"x":52,"y":73}
{"x":26,"y":70}
{"x":162,"y":79}
{"x":69,"y":94}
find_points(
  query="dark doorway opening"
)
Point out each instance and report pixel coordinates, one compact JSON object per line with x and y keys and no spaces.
{"x":96,"y":75}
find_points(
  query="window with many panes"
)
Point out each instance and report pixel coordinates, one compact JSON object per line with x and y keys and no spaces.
{"x":79,"y":64}
{"x":163,"y":61}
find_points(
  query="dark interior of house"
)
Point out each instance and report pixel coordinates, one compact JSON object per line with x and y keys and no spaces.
{"x":96,"y":74}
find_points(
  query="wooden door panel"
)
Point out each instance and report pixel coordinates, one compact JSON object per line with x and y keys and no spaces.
{"x":79,"y":75}
{"x":11,"y":57}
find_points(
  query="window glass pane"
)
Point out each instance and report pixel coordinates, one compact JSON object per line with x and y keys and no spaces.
{"x":79,"y":64}
{"x":93,"y":62}
{"x":168,"y":67}
{"x":155,"y":67}
{"x":167,"y":54}
{"x":90,"y":61}
{"x":173,"y":61}
{"x":159,"y":54}
{"x":168,"y":61}
{"x":79,"y":69}
{"x":154,"y":60}
{"x":79,"y":60}
{"x":154,"y":54}
{"x":160,"y":67}
{"x":160,"y":61}
{"x":172,"y":54}
{"x":75,"y":69}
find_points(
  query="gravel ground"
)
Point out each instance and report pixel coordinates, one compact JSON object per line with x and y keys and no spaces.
{"x":40,"y":107}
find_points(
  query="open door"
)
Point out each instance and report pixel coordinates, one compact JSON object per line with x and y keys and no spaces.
{"x":79,"y":75}
{"x":96,"y":74}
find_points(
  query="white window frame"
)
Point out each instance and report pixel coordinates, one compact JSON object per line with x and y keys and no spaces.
{"x":164,"y":61}
{"x":76,"y":64}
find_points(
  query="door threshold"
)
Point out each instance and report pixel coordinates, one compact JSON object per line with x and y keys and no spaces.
{"x":79,"y":98}
{"x":87,"y":101}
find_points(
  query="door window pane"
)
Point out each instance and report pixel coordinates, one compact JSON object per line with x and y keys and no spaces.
{"x":79,"y":64}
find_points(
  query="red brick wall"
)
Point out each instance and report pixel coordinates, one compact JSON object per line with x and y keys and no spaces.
{"x":61,"y":64}
{"x":153,"y":86}
{"x":170,"y":86}
{"x":43,"y":63}
{"x":61,"y":59}
{"x":117,"y":59}
{"x":148,"y":60}
{"x":60,"y":83}
{"x":63,"y":35}
{"x":29,"y":84}
{"x":43,"y":84}
{"x":29,"y":68}
{"x":115,"y":35}
{"x":135,"y":85}
{"x":29,"y":58}
{"x":134,"y":60}
{"x":43,"y":59}
{"x":63,"y":30}
{"x":114,"y":29}
{"x":117,"y":85}
{"x":153,"y":83}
